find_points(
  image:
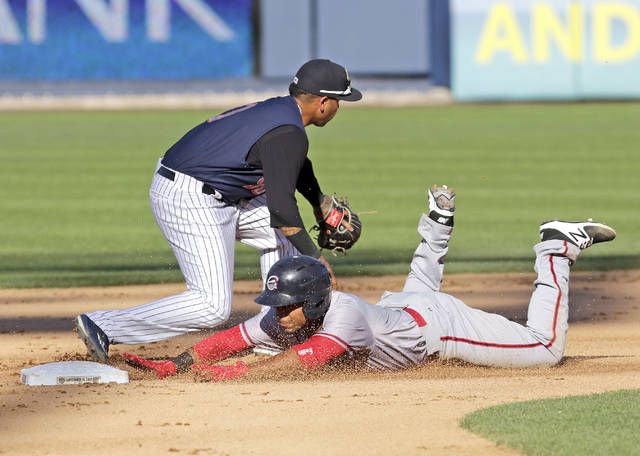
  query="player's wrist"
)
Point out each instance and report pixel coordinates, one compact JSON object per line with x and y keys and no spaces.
{"x":317,"y":208}
{"x":305,"y":245}
{"x":183,"y":361}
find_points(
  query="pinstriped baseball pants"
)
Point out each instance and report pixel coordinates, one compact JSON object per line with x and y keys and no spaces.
{"x":202,"y":232}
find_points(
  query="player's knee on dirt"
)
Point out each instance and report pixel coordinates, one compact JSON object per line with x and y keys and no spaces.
{"x":555,"y":355}
{"x":553,"y":342}
{"x":545,"y":356}
{"x":550,"y":359}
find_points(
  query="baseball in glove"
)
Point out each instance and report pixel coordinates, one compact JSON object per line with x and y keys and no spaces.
{"x":338,"y":226}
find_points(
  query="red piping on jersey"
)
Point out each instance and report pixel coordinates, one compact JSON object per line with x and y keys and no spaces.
{"x":416,"y":316}
{"x":489,"y":344}
{"x":536,"y":344}
{"x":556,"y":310}
{"x":331,"y":336}
{"x":245,"y":334}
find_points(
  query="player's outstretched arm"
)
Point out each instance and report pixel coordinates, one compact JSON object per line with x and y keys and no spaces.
{"x":299,"y":360}
{"x":214,"y":348}
{"x":285,"y":364}
{"x":220,"y":345}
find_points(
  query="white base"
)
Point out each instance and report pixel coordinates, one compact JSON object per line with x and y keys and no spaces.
{"x":72,"y":373}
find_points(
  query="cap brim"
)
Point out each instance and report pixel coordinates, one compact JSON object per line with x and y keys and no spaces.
{"x":355,"y":95}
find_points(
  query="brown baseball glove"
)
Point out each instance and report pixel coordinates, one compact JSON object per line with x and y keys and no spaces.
{"x":339,"y":228}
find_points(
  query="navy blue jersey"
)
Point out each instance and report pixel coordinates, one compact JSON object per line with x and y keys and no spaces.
{"x":215,"y":152}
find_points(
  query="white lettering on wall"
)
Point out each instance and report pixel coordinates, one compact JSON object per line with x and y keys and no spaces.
{"x":37,"y":20}
{"x":206,"y":18}
{"x":110,"y":20}
{"x":9,"y":31}
{"x":158,"y":20}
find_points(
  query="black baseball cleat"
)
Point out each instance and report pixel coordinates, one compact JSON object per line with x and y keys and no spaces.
{"x":580,"y":234}
{"x":93,"y":337}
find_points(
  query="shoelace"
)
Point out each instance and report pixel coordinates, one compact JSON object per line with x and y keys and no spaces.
{"x":585,"y":244}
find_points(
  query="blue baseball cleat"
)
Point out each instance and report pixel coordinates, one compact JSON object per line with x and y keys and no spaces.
{"x":93,"y":337}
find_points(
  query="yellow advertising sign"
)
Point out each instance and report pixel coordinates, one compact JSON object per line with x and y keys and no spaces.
{"x":568,"y":28}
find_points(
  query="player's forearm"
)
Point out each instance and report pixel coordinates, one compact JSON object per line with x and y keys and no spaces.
{"x":300,"y":359}
{"x":300,"y":240}
{"x":283,"y":365}
{"x":293,"y":228}
{"x":220,"y":346}
{"x":293,"y":363}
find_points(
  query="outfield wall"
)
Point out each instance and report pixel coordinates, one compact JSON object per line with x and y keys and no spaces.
{"x":533,"y":49}
{"x":89,"y":40}
{"x":61,"y":40}
{"x":482,"y":49}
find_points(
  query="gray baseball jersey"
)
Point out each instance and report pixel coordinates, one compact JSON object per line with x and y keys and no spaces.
{"x":382,"y":338}
{"x":404,"y":328}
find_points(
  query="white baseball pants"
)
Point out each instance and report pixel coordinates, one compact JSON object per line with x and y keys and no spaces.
{"x":202,"y":232}
{"x":489,"y":339}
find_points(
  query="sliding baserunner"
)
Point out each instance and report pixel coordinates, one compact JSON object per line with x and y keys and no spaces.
{"x":312,"y":325}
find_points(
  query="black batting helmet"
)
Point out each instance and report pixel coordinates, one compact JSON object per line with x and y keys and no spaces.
{"x":298,"y":280}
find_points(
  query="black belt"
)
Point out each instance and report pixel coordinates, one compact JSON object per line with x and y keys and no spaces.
{"x":171,"y":175}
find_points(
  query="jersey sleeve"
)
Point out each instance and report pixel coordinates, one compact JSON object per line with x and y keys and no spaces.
{"x":308,"y":185}
{"x":283,"y":153}
{"x":345,"y":330}
{"x":347,"y":324}
{"x":318,"y":350}
{"x":261,"y":330}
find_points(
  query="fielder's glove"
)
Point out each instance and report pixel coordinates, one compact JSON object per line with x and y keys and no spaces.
{"x":339,"y":228}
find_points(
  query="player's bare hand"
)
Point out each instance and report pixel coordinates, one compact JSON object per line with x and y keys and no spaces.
{"x":291,"y":318}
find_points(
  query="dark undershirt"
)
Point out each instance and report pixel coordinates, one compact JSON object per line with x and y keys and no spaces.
{"x":282,"y":155}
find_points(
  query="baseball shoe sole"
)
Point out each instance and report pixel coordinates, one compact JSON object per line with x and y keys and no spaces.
{"x":581,"y":234}
{"x":93,"y":337}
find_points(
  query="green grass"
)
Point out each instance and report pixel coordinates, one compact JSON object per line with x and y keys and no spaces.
{"x":598,"y":424}
{"x":75,"y":207}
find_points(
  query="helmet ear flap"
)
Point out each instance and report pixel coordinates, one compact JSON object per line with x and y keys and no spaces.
{"x":313,"y":311}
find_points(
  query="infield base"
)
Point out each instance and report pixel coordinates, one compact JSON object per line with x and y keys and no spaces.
{"x":72,"y":373}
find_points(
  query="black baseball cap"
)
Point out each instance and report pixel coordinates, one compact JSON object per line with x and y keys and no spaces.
{"x":326,"y":79}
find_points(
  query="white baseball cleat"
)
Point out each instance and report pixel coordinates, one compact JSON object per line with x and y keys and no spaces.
{"x":581,"y":234}
{"x":442,"y":204}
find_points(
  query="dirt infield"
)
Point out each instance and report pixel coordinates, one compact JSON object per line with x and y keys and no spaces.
{"x":410,"y":413}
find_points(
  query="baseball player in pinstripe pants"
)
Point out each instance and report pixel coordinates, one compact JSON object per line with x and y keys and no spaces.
{"x":312,"y":325}
{"x":232,"y":177}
